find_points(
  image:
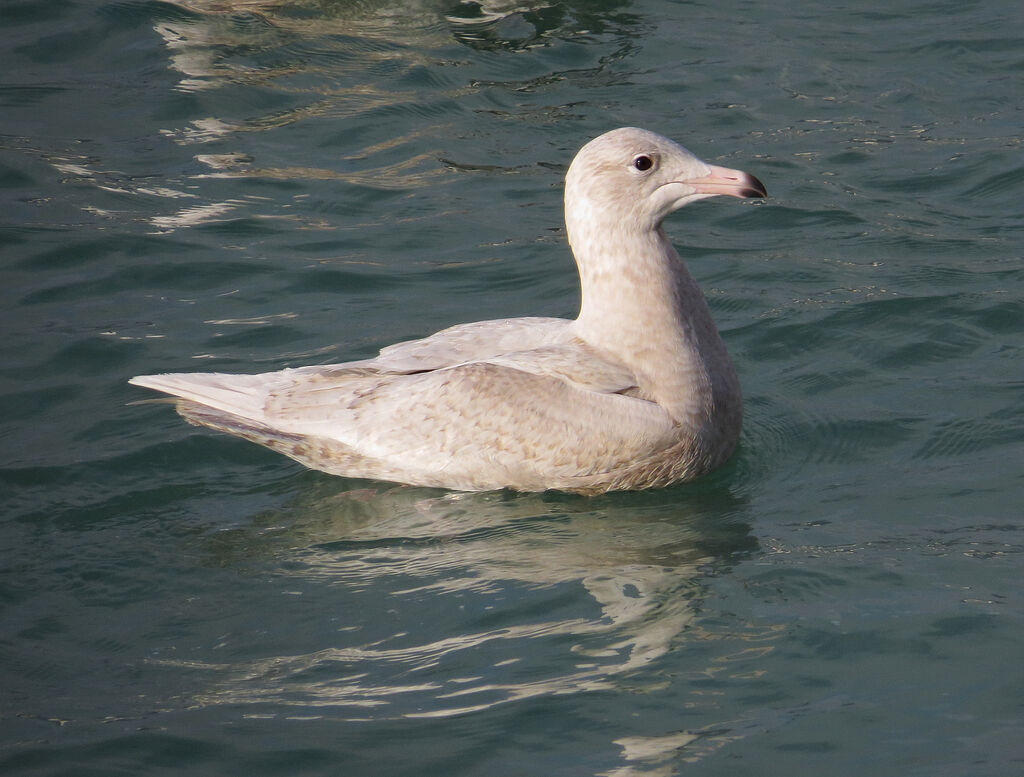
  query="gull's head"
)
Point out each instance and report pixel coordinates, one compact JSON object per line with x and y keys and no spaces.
{"x":631,"y":178}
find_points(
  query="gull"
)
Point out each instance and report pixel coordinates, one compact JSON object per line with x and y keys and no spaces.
{"x":637,"y":392}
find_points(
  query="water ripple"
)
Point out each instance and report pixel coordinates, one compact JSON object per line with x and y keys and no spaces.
{"x":639,"y":575}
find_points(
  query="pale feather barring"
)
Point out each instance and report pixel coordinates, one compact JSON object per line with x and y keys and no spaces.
{"x":637,"y":392}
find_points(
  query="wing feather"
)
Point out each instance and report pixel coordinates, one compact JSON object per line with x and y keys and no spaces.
{"x":502,"y":403}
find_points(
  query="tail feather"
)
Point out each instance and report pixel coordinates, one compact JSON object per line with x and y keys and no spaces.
{"x":239,"y":395}
{"x":316,"y":453}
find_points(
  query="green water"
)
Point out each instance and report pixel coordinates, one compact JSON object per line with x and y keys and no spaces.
{"x":204,"y":185}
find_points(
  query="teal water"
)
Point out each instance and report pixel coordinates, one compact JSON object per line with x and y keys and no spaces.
{"x":250,"y":185}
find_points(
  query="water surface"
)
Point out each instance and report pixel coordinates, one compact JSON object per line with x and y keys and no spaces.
{"x":243,"y":186}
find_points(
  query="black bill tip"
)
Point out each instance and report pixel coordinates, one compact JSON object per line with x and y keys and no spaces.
{"x":754,"y":188}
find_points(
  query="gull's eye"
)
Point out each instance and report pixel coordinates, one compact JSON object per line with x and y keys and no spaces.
{"x":643,"y":163}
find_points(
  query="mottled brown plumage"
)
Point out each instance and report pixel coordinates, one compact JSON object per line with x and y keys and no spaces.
{"x":637,"y":392}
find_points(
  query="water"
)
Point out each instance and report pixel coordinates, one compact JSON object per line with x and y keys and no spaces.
{"x":210,"y":185}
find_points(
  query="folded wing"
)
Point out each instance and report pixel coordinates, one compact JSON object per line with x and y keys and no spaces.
{"x":543,"y":417}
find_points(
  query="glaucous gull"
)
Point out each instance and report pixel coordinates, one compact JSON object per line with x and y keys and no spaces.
{"x":637,"y":392}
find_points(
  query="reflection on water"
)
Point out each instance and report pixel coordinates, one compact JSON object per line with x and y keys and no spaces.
{"x":509,"y":564}
{"x":257,"y":43}
{"x":346,"y":60}
{"x":339,"y":62}
{"x":398,"y":66}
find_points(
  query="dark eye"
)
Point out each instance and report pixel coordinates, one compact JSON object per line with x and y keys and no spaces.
{"x":643,"y":162}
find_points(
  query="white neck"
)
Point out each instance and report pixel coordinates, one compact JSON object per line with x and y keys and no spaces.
{"x":641,"y":305}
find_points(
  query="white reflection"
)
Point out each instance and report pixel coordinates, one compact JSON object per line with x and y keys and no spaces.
{"x":417,"y":171}
{"x":197,"y":214}
{"x":84,"y":170}
{"x":637,"y":563}
{"x":336,"y":62}
{"x":651,"y":756}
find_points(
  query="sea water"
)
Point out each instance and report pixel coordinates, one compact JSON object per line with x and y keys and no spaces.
{"x":248,"y":185}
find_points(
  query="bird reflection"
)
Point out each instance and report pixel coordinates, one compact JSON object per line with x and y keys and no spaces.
{"x":521,"y":560}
